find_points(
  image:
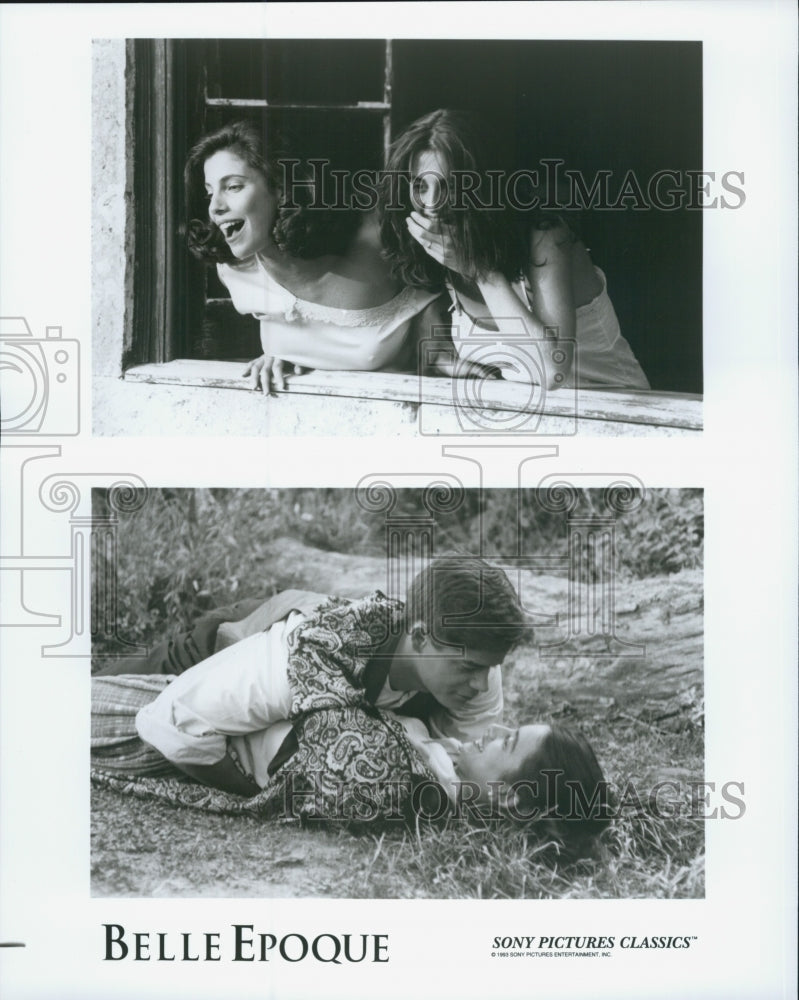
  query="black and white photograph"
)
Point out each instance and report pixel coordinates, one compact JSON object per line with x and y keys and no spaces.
{"x":580,"y":641}
{"x":398,"y":489}
{"x":454,"y":236}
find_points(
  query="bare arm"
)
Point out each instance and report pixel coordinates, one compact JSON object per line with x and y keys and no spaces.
{"x":431,"y":334}
{"x":551,"y":327}
{"x":553,"y":324}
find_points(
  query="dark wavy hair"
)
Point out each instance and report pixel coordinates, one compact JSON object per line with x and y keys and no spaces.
{"x":561,"y":786}
{"x":469,"y":588}
{"x":304,"y":226}
{"x":489,"y":239}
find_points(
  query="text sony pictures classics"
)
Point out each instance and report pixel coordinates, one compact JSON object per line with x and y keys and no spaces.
{"x":523,"y":943}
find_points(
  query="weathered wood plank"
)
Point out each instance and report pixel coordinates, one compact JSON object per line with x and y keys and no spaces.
{"x":660,"y":409}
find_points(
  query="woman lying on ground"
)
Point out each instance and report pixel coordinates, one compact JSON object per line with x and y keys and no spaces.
{"x":361,"y":765}
{"x":320,"y":701}
{"x":313,"y":276}
{"x":527,"y":300}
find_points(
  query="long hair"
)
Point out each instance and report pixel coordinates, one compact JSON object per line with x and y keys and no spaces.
{"x":561,"y":785}
{"x":304,"y":225}
{"x":490,"y":233}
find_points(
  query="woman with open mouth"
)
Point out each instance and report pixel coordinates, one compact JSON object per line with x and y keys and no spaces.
{"x":311,"y":273}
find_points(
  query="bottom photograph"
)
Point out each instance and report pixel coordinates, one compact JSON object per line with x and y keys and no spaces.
{"x":398,"y":693}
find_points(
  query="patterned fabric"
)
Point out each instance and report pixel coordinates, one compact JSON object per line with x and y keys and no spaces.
{"x":328,"y":652}
{"x":353,"y":764}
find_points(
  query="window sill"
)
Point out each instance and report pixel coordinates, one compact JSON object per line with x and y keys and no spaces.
{"x":500,"y":403}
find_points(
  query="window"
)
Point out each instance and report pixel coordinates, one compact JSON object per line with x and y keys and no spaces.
{"x":319,"y":91}
{"x":348,"y":97}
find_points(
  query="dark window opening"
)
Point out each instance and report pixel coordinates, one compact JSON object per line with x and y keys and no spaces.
{"x":598,"y":106}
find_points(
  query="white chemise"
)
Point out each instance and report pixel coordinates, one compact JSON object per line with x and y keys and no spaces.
{"x":317,"y":336}
{"x":603,"y":358}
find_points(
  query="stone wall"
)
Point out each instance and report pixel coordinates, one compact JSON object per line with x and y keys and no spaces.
{"x":112,"y":206}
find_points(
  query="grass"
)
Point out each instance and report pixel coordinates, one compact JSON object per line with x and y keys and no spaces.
{"x":194,"y":551}
{"x":508,"y":864}
{"x":163,"y":851}
{"x":641,"y":854}
{"x":160,"y":850}
{"x":185,"y":551}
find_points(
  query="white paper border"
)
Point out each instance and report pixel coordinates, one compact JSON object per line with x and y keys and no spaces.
{"x":745,"y":459}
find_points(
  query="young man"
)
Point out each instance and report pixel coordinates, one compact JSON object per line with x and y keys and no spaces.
{"x":437,"y":657}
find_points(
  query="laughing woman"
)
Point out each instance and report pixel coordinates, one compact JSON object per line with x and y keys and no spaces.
{"x":314,"y":277}
{"x":527,"y":300}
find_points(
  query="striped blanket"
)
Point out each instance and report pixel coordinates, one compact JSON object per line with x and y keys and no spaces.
{"x":115,"y":744}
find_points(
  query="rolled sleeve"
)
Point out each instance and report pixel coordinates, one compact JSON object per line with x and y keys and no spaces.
{"x":180,"y":735}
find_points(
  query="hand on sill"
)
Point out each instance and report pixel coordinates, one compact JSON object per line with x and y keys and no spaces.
{"x":269,"y":374}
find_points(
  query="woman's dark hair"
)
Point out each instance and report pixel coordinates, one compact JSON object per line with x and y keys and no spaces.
{"x":489,"y":238}
{"x":305,"y":225}
{"x":562,"y":786}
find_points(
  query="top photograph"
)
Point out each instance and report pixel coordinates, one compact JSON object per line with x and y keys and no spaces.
{"x":399,"y":237}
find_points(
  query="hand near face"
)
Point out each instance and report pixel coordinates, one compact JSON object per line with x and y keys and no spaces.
{"x":270,"y":373}
{"x":436,"y":238}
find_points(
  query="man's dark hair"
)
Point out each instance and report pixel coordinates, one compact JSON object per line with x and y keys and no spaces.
{"x":463,"y":600}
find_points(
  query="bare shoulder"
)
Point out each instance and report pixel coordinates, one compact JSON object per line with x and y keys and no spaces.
{"x":365,"y":253}
{"x":368,"y":233}
{"x":359,"y":278}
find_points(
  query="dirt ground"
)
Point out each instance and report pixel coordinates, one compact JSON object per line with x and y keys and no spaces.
{"x":647,"y":672}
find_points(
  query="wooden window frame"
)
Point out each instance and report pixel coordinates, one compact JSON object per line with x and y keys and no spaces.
{"x":161,"y":266}
{"x":169,"y":101}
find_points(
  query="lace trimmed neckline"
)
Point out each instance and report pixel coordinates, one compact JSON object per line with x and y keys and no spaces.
{"x":297,"y":308}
